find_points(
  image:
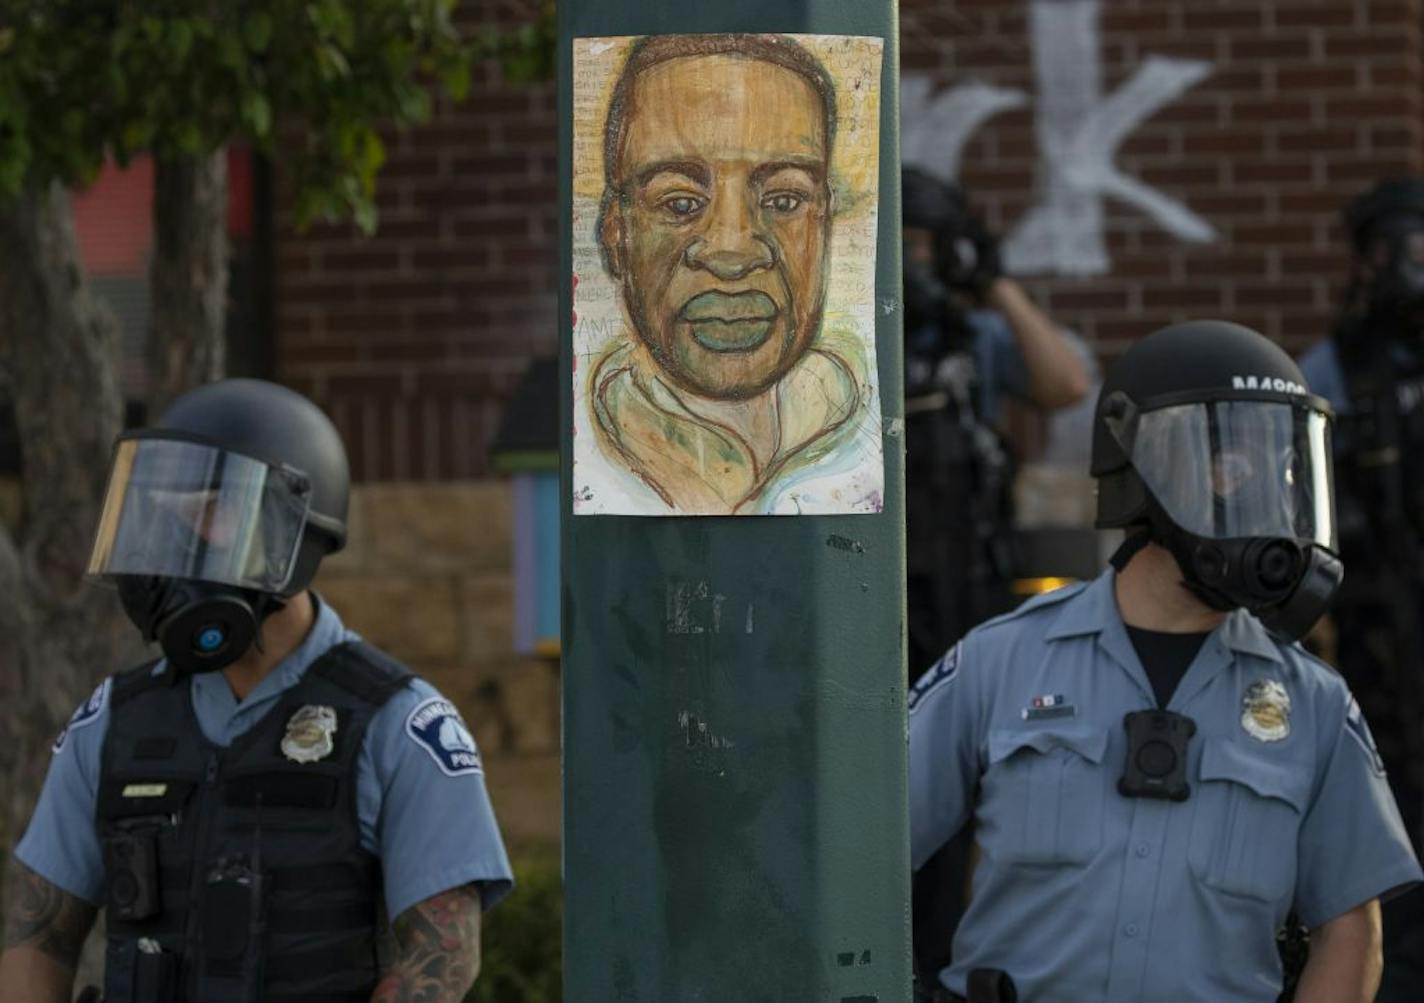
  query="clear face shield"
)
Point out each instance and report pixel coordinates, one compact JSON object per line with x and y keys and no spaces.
{"x":183,"y":510}
{"x":1237,"y":468}
{"x":1244,"y":484}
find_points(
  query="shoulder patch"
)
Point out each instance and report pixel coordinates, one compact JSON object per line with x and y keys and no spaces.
{"x":941,"y":673}
{"x":84,"y":714}
{"x":1360,"y":732}
{"x":436,"y":726}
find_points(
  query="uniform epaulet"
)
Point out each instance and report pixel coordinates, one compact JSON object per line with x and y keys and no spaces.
{"x":1041,"y":601}
{"x":131,"y":682}
{"x":363,"y":671}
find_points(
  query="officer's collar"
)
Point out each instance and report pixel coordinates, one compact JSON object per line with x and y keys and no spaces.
{"x":1094,"y":610}
{"x":326,"y":632}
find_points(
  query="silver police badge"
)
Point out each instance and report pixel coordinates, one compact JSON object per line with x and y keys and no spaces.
{"x":310,"y":734}
{"x":1265,"y":711}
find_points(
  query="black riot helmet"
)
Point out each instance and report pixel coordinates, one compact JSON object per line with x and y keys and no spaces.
{"x":218,"y":513}
{"x":966,"y":256}
{"x":1386,"y":226}
{"x":1207,"y":441}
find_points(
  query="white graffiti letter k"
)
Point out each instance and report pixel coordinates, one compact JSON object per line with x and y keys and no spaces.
{"x":1079,"y":132}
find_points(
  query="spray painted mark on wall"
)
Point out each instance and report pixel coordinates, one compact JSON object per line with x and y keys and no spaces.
{"x":1079,"y":130}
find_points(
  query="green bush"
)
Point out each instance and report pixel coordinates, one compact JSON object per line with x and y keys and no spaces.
{"x":522,"y":938}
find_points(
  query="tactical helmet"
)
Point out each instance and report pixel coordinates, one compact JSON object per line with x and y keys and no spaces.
{"x":1207,"y":440}
{"x":1386,"y":225}
{"x":218,"y":513}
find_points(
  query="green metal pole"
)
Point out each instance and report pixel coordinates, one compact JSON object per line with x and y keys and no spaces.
{"x":735,"y":821}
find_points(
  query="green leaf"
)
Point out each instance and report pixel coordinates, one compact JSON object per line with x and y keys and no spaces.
{"x":456,"y":79}
{"x":137,"y":134}
{"x":230,"y":52}
{"x":257,"y":113}
{"x":7,"y":38}
{"x":180,"y":38}
{"x":331,"y":61}
{"x":188,"y":138}
{"x":257,"y":31}
{"x":365,"y":216}
{"x":153,"y":29}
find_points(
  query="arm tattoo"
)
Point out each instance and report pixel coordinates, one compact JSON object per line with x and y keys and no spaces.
{"x":46,"y":918}
{"x":437,"y":950}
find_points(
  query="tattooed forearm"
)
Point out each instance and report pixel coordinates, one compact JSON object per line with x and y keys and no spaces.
{"x":437,"y":950}
{"x":43,"y":917}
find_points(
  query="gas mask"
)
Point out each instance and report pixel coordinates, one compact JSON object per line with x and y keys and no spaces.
{"x":200,"y":543}
{"x":1396,"y":258}
{"x":1239,"y":491}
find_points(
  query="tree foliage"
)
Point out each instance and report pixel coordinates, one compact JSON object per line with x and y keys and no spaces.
{"x":308,"y":82}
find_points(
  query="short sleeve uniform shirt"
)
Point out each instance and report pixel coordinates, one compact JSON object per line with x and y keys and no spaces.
{"x":426,"y":816}
{"x":1081,"y":893}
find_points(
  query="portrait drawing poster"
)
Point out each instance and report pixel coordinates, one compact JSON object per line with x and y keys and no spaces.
{"x":725,"y":195}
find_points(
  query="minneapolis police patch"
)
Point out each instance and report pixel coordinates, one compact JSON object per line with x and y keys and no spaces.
{"x":939,"y":674}
{"x":84,"y":714}
{"x":436,"y":725}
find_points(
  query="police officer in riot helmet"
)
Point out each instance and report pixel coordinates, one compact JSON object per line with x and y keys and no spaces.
{"x":250,"y":806}
{"x":1371,"y":368}
{"x":972,"y":337}
{"x":1153,"y":770}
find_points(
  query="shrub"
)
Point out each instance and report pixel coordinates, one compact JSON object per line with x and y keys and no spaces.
{"x":522,"y":938}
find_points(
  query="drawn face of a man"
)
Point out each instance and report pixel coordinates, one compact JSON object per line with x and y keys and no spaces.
{"x":719,"y":230}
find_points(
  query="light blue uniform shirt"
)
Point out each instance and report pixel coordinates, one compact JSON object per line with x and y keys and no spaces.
{"x":998,"y":362}
{"x":1081,"y":893}
{"x":432,"y":831}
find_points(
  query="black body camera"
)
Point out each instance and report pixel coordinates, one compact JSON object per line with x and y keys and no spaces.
{"x":131,"y":858}
{"x":1156,"y":755}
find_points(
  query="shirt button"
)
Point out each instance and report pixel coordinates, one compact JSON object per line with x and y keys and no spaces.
{"x":1130,"y":930}
{"x":1143,"y":849}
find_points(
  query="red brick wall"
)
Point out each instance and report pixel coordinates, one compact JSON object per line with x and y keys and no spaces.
{"x":413,"y":338}
{"x":1306,"y":103}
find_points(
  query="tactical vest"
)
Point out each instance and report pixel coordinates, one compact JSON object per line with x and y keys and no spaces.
{"x":237,"y":874}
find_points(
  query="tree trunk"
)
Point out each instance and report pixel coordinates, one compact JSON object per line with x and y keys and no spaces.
{"x":59,"y":351}
{"x":188,"y":277}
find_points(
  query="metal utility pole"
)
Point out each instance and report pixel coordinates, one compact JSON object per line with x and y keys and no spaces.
{"x":735,"y":820}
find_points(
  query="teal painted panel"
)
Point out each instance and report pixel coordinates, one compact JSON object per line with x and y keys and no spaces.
{"x":734,"y":723}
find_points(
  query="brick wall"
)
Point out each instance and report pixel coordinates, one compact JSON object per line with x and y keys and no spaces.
{"x":1303,"y":104}
{"x":413,"y":338}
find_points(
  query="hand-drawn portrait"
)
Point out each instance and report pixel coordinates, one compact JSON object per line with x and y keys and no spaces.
{"x":724,"y":262}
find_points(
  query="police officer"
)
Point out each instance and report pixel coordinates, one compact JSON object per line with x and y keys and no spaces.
{"x":1154,"y":772}
{"x":1371,"y":369}
{"x":972,"y":338}
{"x":249,"y":808}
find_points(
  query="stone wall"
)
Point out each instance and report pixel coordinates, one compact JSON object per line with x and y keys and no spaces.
{"x":426,"y":576}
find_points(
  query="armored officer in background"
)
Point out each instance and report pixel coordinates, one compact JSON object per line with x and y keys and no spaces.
{"x":1154,"y":772}
{"x":972,"y":337}
{"x":1371,"y":369}
{"x":250,"y":808}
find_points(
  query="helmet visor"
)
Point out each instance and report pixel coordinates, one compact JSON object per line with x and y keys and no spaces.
{"x":1236,"y":468}
{"x":182,"y":509}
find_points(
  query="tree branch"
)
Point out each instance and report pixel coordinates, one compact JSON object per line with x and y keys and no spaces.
{"x":188,"y":277}
{"x":61,"y":355}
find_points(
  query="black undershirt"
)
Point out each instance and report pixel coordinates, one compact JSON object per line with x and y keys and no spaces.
{"x":1165,"y":657}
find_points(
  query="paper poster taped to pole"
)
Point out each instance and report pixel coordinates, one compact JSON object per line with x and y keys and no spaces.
{"x":725,"y":193}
